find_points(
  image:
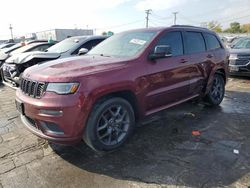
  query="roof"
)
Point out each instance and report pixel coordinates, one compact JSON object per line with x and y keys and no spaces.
{"x":89,"y":37}
{"x":159,"y":29}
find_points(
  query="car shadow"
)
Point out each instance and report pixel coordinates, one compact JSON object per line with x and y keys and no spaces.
{"x":165,"y":150}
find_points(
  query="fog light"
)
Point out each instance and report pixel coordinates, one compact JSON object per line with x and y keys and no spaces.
{"x":51,"y":112}
{"x":51,"y":128}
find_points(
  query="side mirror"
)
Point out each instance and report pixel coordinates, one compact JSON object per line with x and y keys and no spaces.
{"x":83,"y":51}
{"x":161,"y":51}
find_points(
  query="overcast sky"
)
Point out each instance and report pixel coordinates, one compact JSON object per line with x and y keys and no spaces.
{"x":27,"y":16}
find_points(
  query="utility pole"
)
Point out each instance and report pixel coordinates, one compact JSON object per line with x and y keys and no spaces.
{"x":148,"y":12}
{"x":175,"y":17}
{"x":11,"y":28}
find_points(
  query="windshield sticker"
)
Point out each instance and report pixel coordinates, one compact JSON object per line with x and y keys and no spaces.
{"x":138,"y":41}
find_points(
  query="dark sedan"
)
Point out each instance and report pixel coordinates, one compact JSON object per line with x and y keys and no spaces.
{"x":239,"y":63}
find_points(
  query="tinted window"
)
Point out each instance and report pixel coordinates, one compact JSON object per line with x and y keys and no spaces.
{"x":88,"y":45}
{"x":211,"y":41}
{"x":194,"y":42}
{"x":41,"y":47}
{"x":91,"y":44}
{"x":174,"y":40}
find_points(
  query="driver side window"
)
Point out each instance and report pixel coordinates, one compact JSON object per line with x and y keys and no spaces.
{"x":89,"y":44}
{"x":174,"y":40}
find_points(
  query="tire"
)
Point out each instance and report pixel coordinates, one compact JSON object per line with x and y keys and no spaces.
{"x":109,"y":125}
{"x":217,"y":91}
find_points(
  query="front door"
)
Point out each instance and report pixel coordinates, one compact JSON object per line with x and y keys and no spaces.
{"x":168,"y":77}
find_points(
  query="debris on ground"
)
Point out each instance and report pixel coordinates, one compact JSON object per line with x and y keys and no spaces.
{"x":189,"y":114}
{"x":236,"y":151}
{"x":196,"y":133}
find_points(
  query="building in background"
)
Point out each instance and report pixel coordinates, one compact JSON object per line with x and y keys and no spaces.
{"x":61,"y":34}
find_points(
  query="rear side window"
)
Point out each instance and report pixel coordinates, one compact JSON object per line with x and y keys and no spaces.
{"x":211,"y":41}
{"x":194,"y":42}
{"x":174,"y":40}
{"x":41,"y":47}
{"x":89,"y":45}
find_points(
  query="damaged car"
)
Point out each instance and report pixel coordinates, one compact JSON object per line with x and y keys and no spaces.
{"x":14,"y":66}
{"x":20,"y":48}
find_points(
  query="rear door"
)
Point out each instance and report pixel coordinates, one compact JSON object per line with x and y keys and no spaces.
{"x":168,"y":77}
{"x":215,"y":49}
{"x":197,"y":59}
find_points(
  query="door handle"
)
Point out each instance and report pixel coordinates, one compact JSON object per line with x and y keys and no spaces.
{"x":210,"y":56}
{"x":183,"y":61}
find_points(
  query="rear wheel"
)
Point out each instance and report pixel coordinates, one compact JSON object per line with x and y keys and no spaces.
{"x":109,"y":124}
{"x":217,"y":91}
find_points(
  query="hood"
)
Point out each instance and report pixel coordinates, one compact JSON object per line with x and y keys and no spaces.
{"x":27,"y":56}
{"x":239,"y":51}
{"x":72,"y":68}
{"x":3,"y":56}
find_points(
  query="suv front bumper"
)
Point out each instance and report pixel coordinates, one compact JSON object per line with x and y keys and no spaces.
{"x":57,"y":118}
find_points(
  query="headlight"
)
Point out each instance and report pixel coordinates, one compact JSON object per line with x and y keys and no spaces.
{"x":62,"y":88}
{"x":233,"y":57}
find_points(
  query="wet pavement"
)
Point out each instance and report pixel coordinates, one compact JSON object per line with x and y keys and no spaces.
{"x":162,"y":152}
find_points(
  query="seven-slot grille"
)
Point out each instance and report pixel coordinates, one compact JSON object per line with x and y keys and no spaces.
{"x":32,"y":88}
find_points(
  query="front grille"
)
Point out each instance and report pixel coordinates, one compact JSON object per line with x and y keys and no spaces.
{"x":32,"y":88}
{"x":6,"y":74}
{"x":244,"y":57}
{"x":241,"y":62}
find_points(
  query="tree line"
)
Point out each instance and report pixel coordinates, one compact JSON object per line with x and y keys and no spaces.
{"x":235,"y":27}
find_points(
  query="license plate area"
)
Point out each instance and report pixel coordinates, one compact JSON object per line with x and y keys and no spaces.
{"x":234,"y":68}
{"x":20,"y":107}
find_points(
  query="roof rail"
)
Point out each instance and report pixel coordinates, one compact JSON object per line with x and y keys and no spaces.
{"x":188,"y":26}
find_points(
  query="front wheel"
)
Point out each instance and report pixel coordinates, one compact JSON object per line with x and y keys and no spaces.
{"x":217,"y":91}
{"x":109,"y":124}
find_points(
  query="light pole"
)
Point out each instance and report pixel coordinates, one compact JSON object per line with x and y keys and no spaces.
{"x":11,"y":32}
{"x":175,"y":17}
{"x":148,"y":12}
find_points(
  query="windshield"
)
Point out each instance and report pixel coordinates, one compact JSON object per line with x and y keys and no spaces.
{"x":7,"y":50}
{"x":64,"y":45}
{"x":242,"y":44}
{"x":127,"y":44}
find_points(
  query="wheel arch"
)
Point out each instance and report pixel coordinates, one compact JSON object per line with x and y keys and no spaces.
{"x":221,"y":71}
{"x":126,"y":94}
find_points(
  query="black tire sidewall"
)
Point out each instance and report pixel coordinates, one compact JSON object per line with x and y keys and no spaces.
{"x":90,"y":133}
{"x":210,"y":98}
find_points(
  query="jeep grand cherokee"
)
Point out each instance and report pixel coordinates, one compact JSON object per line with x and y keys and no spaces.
{"x":100,"y":96}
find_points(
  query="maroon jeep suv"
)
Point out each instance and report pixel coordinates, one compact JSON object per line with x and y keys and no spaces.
{"x":99,"y":97}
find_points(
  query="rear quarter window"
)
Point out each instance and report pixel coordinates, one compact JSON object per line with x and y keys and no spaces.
{"x":194,"y":42}
{"x":211,"y":41}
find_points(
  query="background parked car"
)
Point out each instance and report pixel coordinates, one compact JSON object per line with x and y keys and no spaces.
{"x":14,"y":66}
{"x":6,"y":45}
{"x":6,"y":52}
{"x":239,"y":63}
{"x":33,"y":46}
